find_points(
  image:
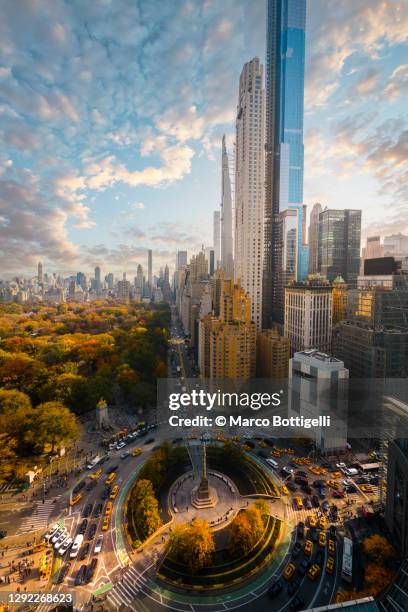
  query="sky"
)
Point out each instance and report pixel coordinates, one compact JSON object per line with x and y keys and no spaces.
{"x":112,"y":113}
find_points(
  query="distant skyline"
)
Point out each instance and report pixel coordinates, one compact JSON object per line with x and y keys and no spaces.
{"x":112,"y":114}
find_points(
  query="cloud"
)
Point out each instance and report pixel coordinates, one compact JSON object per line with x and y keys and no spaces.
{"x":397,"y":85}
{"x":137,"y":206}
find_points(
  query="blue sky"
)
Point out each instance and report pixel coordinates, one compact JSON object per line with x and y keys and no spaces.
{"x":112,"y":112}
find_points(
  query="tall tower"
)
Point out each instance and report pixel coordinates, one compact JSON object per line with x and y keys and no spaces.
{"x":285,"y":67}
{"x":40,"y":276}
{"x":216,"y":238}
{"x":249,"y":185}
{"x":314,"y":239}
{"x":227,"y":261}
{"x":97,"y":278}
{"x":150,"y":269}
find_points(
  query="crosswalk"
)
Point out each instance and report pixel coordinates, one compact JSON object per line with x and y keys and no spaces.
{"x":38,"y":519}
{"x":126,"y":590}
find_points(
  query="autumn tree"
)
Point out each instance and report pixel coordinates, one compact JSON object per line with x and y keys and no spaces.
{"x":53,"y":423}
{"x":378,"y":549}
{"x":245,"y":530}
{"x":145,"y":509}
{"x":8,"y":456}
{"x":192,"y":545}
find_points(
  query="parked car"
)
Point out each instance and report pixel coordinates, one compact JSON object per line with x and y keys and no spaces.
{"x":98,"y":545}
{"x":87,"y":510}
{"x":65,"y":545}
{"x":63,"y":572}
{"x":79,"y":578}
{"x":90,"y":570}
{"x":76,"y":546}
{"x":83,"y":526}
{"x":92,"y":531}
{"x":84,"y":551}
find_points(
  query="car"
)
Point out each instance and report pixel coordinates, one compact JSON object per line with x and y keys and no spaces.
{"x":297,"y":604}
{"x":151,"y":440}
{"x":137,"y":451}
{"x":307,"y":489}
{"x":275,"y":589}
{"x":312,"y":521}
{"x":333,"y":513}
{"x":63,"y":572}
{"x":322,"y":493}
{"x":84,"y":551}
{"x":289,"y":571}
{"x":110,"y":478}
{"x":330,"y":565}
{"x":90,"y":570}
{"x":336,"y":475}
{"x":374,"y":480}
{"x":333,"y":531}
{"x":57,"y":534}
{"x":106,"y":493}
{"x":64,"y":546}
{"x":125,"y":455}
{"x":362,"y":480}
{"x":120,"y":445}
{"x":106,"y":522}
{"x":296,"y":550}
{"x":301,"y":480}
{"x":322,"y":522}
{"x":284,"y":490}
{"x":351,"y":489}
{"x":114,"y":492}
{"x":301,"y":473}
{"x":291,"y":486}
{"x":313,"y":572}
{"x":366,"y":488}
{"x":79,"y":578}
{"x":76,"y":546}
{"x":91,"y":485}
{"x":315,"y":501}
{"x":332,"y":484}
{"x":303,"y":567}
{"x":64,"y":535}
{"x":308,"y":547}
{"x":52,"y":531}
{"x":108,"y":508}
{"x":96,"y":474}
{"x":299,"y":503}
{"x":322,"y":539}
{"x":338,"y":494}
{"x":83,"y":526}
{"x":87,"y":510}
{"x":91,"y":531}
{"x":98,"y":545}
{"x":78,"y":487}
{"x":325,"y":506}
{"x":332,"y":546}
{"x":293,"y":586}
{"x":98,"y":510}
{"x":300,"y":530}
{"x":111,"y":469}
{"x":341,"y":466}
{"x":318,"y":484}
{"x":75,"y":499}
{"x":313,"y":534}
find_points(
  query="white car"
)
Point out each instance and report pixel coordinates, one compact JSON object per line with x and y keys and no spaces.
{"x":57,"y":534}
{"x":64,"y":536}
{"x":98,"y":545}
{"x":120,"y":445}
{"x":51,"y":532}
{"x":76,"y":545}
{"x":348,"y":481}
{"x":64,"y":546}
{"x":341,"y":466}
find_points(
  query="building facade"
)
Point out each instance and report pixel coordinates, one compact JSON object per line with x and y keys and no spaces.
{"x":339,"y":244}
{"x":340,"y":299}
{"x":249,"y":185}
{"x":217,"y":238}
{"x":227,"y":254}
{"x":314,"y":239}
{"x":273,"y":354}
{"x":309,"y":314}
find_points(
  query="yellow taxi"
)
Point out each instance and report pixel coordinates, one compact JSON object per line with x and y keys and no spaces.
{"x":109,"y":508}
{"x":289,"y":451}
{"x":315,"y":470}
{"x":366,"y":488}
{"x":136,"y":452}
{"x":312,"y":521}
{"x":114,"y":492}
{"x":332,"y":484}
{"x":96,"y":474}
{"x":75,"y":499}
{"x":308,"y":547}
{"x":313,"y":572}
{"x":306,"y":460}
{"x":105,"y":524}
{"x":263,"y":444}
{"x":322,"y":522}
{"x":330,"y":565}
{"x":337,"y":475}
{"x":110,"y":478}
{"x":284,"y":490}
{"x":299,"y":503}
{"x":332,"y":547}
{"x":276,"y":453}
{"x":289,"y":571}
{"x":322,"y":539}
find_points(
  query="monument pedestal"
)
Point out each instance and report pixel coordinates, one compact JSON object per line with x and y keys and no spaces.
{"x":204,"y":496}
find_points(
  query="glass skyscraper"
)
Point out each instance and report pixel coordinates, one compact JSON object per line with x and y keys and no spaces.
{"x":285,"y":68}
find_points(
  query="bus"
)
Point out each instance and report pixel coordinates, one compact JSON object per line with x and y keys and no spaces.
{"x":347,"y":562}
{"x":272,"y":463}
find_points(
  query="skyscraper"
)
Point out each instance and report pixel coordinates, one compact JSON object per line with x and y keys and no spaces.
{"x":217,"y":238}
{"x":285,"y":66}
{"x":40,"y":277}
{"x":150,"y":269}
{"x":314,"y":239}
{"x":181,"y":259}
{"x":98,"y":285}
{"x":227,"y":261}
{"x":249,"y":185}
{"x":339,"y":244}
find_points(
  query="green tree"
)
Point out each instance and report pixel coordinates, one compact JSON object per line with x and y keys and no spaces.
{"x":52,"y":424}
{"x":7,"y":456}
{"x":12,"y":400}
{"x":145,"y":509}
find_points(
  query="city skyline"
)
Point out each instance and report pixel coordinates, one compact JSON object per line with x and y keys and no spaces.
{"x":100,"y":163}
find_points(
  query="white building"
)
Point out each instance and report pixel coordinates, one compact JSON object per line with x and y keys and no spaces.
{"x":308,"y":314}
{"x":249,"y":185}
{"x":318,"y":386}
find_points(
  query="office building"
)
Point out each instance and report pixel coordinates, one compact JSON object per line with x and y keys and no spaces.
{"x":97,"y":280}
{"x":314,"y":239}
{"x":273,"y":354}
{"x":40,"y":277}
{"x":227,"y":257}
{"x":309,"y":314}
{"x":150,"y":270}
{"x":249,"y":185}
{"x":123,"y":291}
{"x":181,"y":259}
{"x":396,"y":245}
{"x":217,"y":238}
{"x":372,"y":249}
{"x":318,"y":386}
{"x":139,"y":278}
{"x":286,"y":267}
{"x":285,"y":66}
{"x":340,"y":298}
{"x":210,"y":257}
{"x":396,"y":511}
{"x":81,"y":280}
{"x":339,"y":245}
